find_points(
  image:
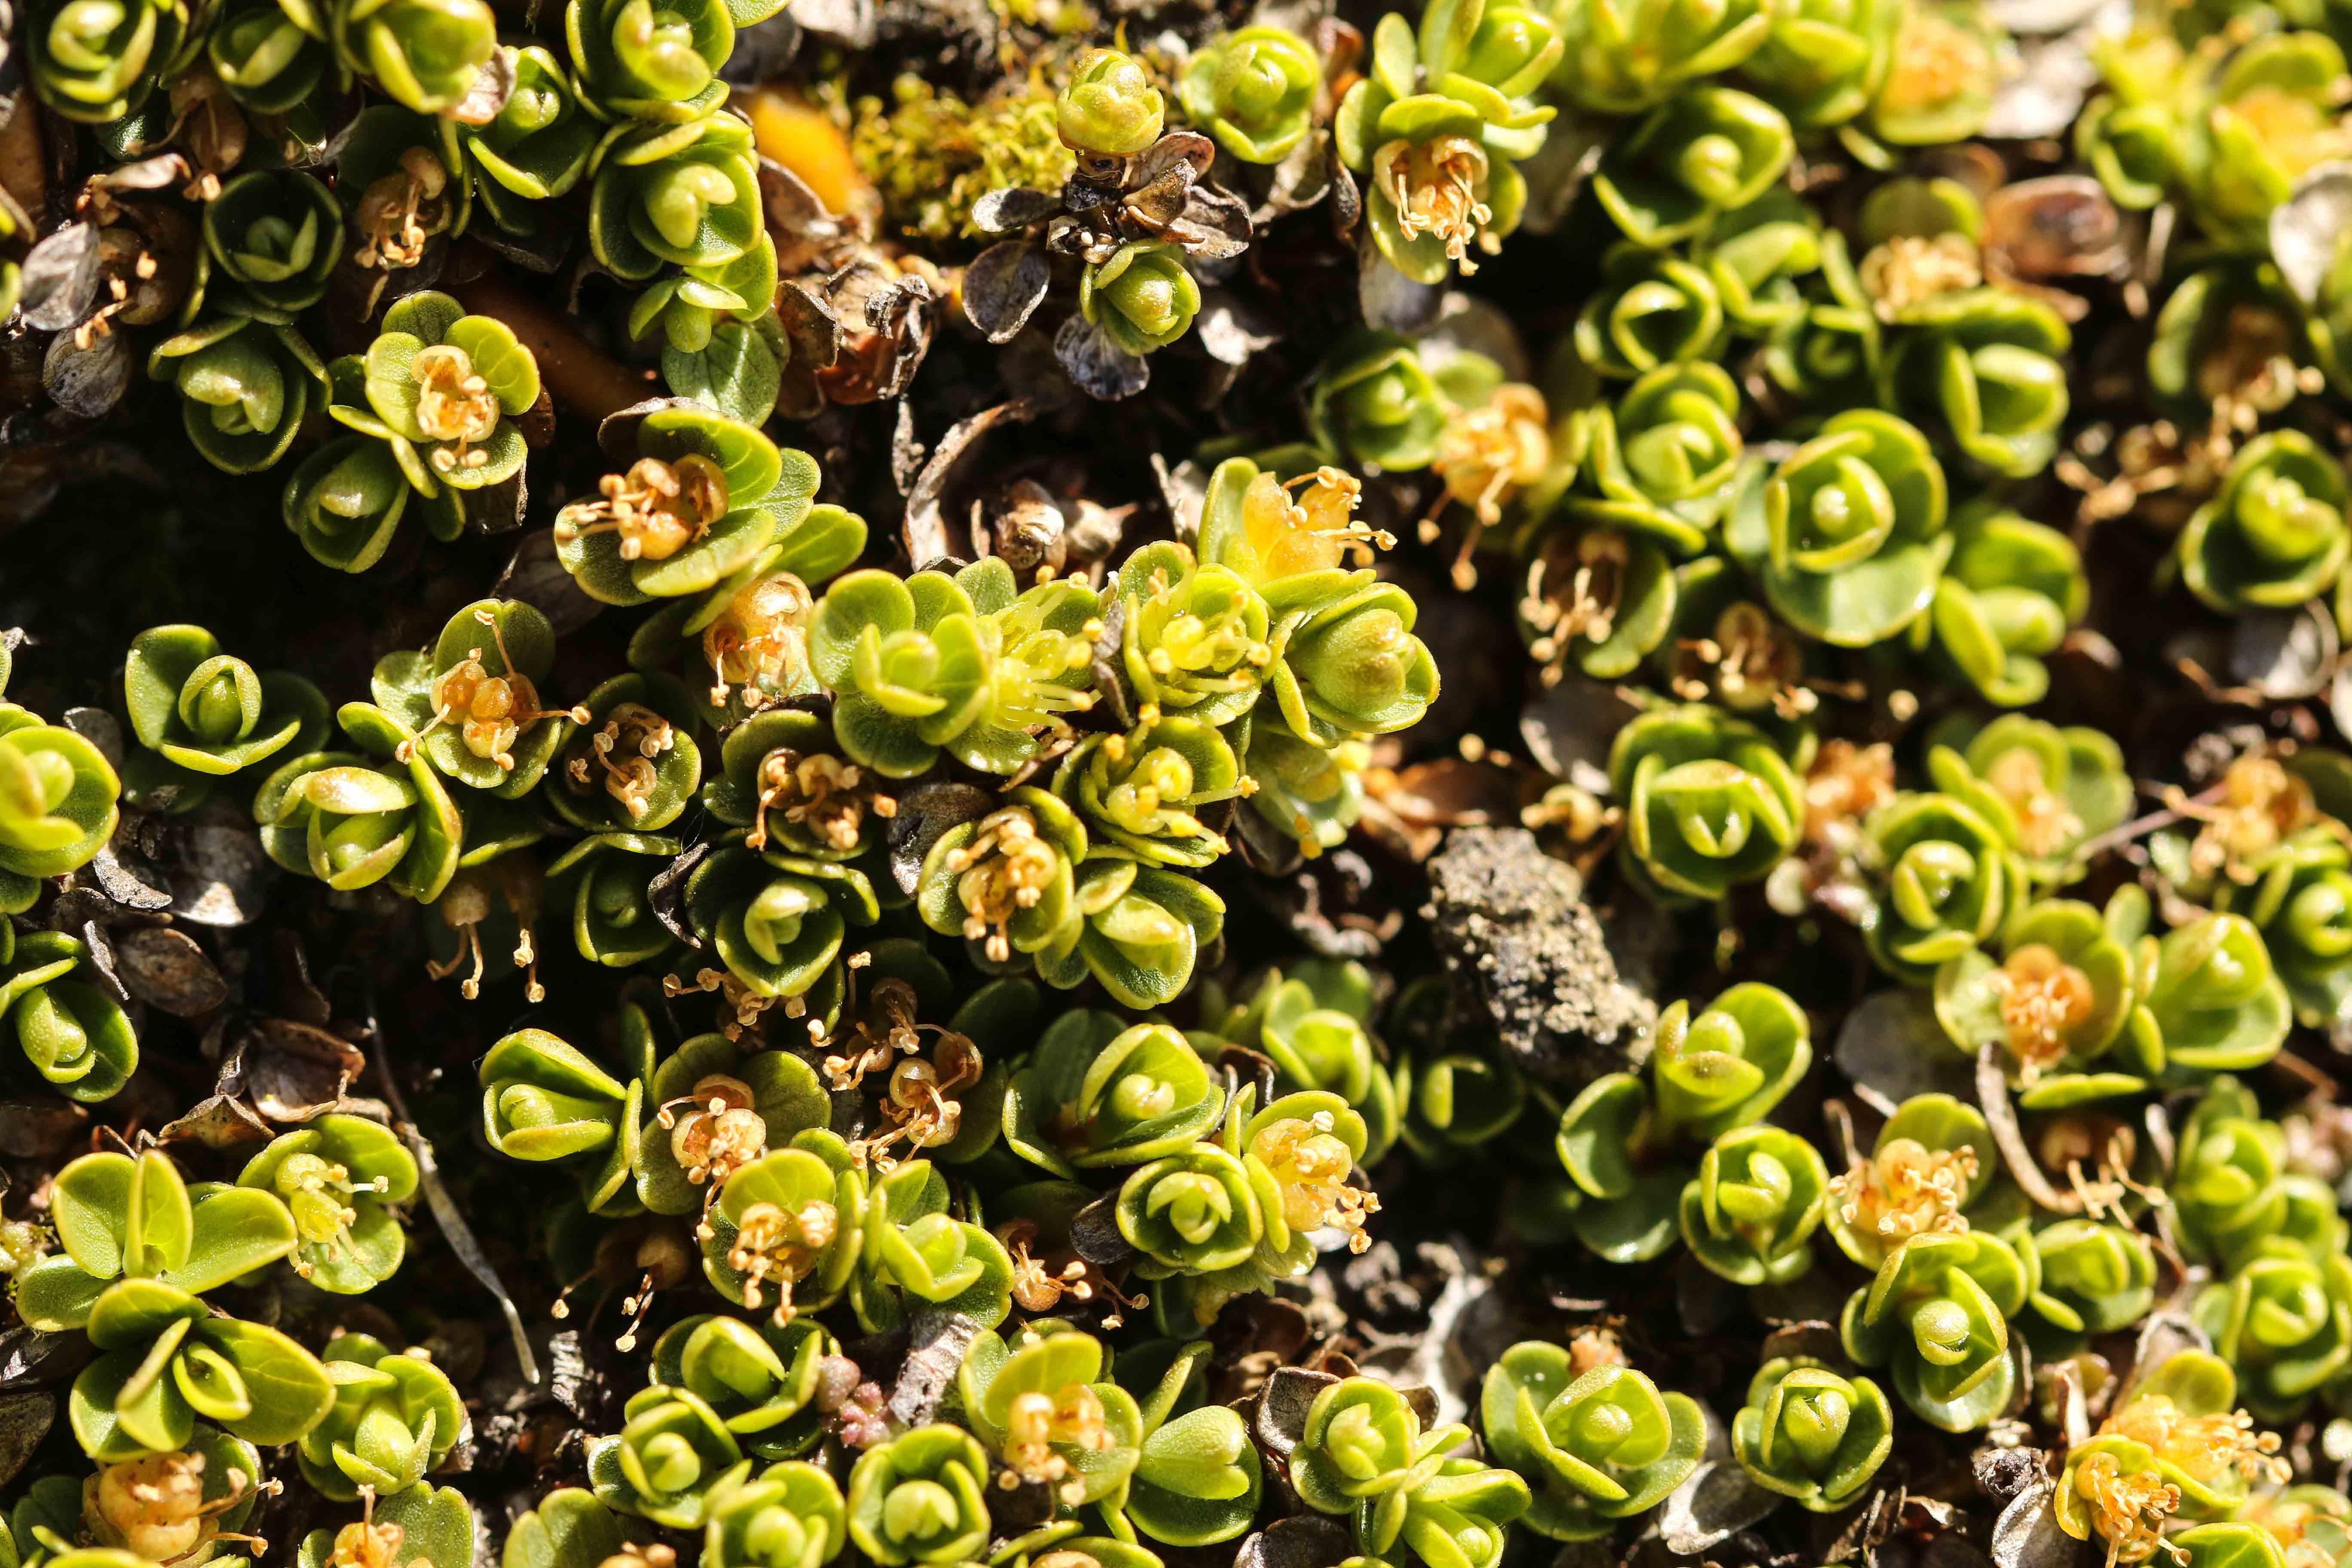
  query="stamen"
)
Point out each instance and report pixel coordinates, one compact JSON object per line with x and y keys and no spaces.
{"x":1438,"y":188}
{"x":1907,"y":1189}
{"x":1005,"y":869}
{"x":1583,"y":608}
{"x":759,"y":642}
{"x":2128,"y":1512}
{"x":492,"y":711}
{"x":2261,"y":805}
{"x":779,"y":1246}
{"x":657,"y":508}
{"x":1316,"y":530}
{"x":1072,"y":1417}
{"x":1487,"y":455}
{"x":401,"y":210}
{"x":454,"y":407}
{"x":820,"y":793}
{"x":2206,"y":1447}
{"x":743,"y":1006}
{"x":637,"y":735}
{"x":721,"y":1133}
{"x":1310,"y":1167}
{"x":2046,"y":824}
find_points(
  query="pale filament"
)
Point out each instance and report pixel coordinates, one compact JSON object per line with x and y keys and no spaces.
{"x":401,"y":210}
{"x":638,"y":735}
{"x":491,"y":710}
{"x":657,"y":508}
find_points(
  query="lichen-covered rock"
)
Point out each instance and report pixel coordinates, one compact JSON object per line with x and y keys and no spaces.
{"x":1527,"y":952}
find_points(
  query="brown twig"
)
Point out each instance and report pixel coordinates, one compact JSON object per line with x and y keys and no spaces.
{"x":1992,"y":1098}
{"x":2123,"y":833}
{"x":24,"y":172}
{"x":578,"y":375}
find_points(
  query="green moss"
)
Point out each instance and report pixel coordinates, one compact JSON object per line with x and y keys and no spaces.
{"x":932,"y":155}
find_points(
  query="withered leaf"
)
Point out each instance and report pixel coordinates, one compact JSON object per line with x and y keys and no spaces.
{"x":1556,"y":173}
{"x":60,"y":279}
{"x":1212,"y":224}
{"x":1004,"y":287}
{"x":763,"y":50}
{"x":1717,"y":1500}
{"x":925,"y":527}
{"x":1279,"y":1422}
{"x":537,"y":423}
{"x":569,"y":1376}
{"x":1229,"y":328}
{"x":666,"y":895}
{"x":216,"y":1121}
{"x":850,"y":21}
{"x":1081,"y":196}
{"x":2041,"y":17}
{"x":297,"y":1072}
{"x":298,"y":996}
{"x":1391,"y":300}
{"x":460,"y":1237}
{"x":2002,"y":1473}
{"x":1301,"y":179}
{"x":1149,"y":209}
{"x":220,"y":875}
{"x":1568,"y":729}
{"x":2285,"y":655}
{"x":1099,"y":368}
{"x":100,"y":728}
{"x":1003,"y":210}
{"x":87,"y":381}
{"x":123,"y":875}
{"x":29,"y":1356}
{"x":498,"y":507}
{"x":902,"y":317}
{"x":2027,"y":1534}
{"x":2164,"y":1335}
{"x":486,"y":95}
{"x":814,"y":334}
{"x":1865,"y":1529}
{"x":2061,"y":226}
{"x":1419,"y":1398}
{"x":1095,"y":1234}
{"x":1346,"y":207}
{"x":794,"y":208}
{"x":616,"y":433}
{"x":26,"y":1416}
{"x":906,"y":450}
{"x":2043,"y":93}
{"x":1247,"y":1066}
{"x":158,"y":172}
{"x":98,"y":942}
{"x":1302,"y":1541}
{"x":2306,"y":230}
{"x":542,"y":252}
{"x":1888,"y":1046}
{"x":924,"y":813}
{"x":1109,"y":664}
{"x":166,"y":969}
{"x":1188,"y":151}
{"x":1811,"y":1337}
{"x":1469,"y":325}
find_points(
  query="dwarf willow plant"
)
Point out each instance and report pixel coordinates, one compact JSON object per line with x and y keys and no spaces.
{"x":1010,"y":1004}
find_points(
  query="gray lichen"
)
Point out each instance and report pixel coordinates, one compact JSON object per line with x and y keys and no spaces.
{"x":1526,"y":953}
